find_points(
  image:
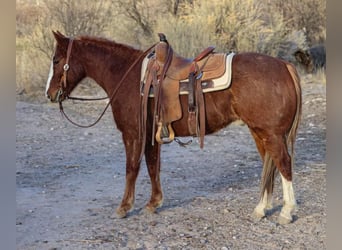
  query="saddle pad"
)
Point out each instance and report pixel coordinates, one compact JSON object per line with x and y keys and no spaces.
{"x":217,"y":84}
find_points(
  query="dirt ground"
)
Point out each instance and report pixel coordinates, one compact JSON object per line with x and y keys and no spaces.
{"x":70,"y":181}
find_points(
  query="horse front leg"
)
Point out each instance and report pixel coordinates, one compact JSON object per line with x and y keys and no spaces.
{"x":152,"y":157}
{"x":132,"y":147}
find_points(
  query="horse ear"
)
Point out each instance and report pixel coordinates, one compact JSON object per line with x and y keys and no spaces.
{"x":61,"y":39}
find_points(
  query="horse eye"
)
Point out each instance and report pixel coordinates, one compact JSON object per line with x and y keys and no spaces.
{"x":55,"y":61}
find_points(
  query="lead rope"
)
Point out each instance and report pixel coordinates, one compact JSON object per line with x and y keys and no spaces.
{"x":113,"y":94}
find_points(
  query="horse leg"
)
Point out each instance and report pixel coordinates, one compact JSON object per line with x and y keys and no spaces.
{"x":290,"y":203}
{"x":277,"y":148}
{"x":152,"y":157}
{"x":265,"y":202}
{"x":132,"y":170}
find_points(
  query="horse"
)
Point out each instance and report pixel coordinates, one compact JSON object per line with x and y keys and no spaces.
{"x":265,"y":93}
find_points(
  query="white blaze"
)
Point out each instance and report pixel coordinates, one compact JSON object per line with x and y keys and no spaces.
{"x":49,"y":78}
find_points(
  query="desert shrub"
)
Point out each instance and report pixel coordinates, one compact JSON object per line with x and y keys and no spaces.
{"x":28,"y":59}
{"x":230,"y":25}
{"x":292,"y":41}
{"x":26,"y":18}
{"x":183,"y":34}
{"x":306,"y":15}
{"x":35,"y":43}
{"x":273,"y":27}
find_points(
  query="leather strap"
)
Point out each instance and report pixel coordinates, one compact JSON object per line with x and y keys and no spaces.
{"x":157,"y":88}
{"x":204,"y":53}
{"x":144,"y":103}
{"x":66,"y":65}
{"x":201,"y":111}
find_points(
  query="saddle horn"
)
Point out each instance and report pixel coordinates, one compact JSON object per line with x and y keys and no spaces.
{"x":162,"y":38}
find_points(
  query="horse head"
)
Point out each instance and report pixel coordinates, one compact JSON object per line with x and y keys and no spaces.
{"x":66,"y":70}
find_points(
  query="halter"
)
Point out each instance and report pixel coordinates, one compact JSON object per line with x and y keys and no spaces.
{"x":66,"y":67}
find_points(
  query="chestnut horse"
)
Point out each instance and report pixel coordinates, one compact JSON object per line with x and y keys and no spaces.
{"x":265,"y":94}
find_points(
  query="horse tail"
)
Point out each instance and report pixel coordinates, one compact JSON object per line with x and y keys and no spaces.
{"x":291,"y":136}
{"x":269,"y":169}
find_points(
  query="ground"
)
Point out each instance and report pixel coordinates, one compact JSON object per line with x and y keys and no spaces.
{"x":70,"y":181}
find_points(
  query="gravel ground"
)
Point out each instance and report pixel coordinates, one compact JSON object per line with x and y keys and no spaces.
{"x":70,"y":181}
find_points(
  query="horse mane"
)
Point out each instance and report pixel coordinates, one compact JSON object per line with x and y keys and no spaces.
{"x":108,"y":45}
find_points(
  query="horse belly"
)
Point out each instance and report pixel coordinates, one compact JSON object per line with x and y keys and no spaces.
{"x":218,"y":112}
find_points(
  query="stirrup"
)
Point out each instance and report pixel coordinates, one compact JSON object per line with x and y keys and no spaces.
{"x":169,"y":132}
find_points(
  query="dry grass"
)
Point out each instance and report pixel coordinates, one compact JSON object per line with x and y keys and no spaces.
{"x":271,"y":27}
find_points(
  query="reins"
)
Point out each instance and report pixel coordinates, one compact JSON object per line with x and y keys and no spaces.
{"x":66,"y":68}
{"x":87,"y":99}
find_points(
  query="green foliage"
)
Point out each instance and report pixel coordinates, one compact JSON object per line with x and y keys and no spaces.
{"x":272,"y":27}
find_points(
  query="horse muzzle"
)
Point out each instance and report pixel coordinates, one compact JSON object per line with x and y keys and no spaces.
{"x":58,"y":97}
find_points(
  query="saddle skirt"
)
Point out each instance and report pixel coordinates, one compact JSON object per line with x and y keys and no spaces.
{"x":208,"y":85}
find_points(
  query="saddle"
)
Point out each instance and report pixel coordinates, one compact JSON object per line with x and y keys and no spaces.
{"x":166,"y":74}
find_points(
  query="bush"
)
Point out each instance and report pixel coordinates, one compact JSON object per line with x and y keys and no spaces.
{"x":272,"y":27}
{"x":35,"y":43}
{"x":306,"y":15}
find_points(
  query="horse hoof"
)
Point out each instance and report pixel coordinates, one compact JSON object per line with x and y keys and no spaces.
{"x":283,"y":220}
{"x":121,"y":213}
{"x":257,"y":215}
{"x":150,"y":209}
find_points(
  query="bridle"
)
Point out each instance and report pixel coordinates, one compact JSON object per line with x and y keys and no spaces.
{"x":63,"y":87}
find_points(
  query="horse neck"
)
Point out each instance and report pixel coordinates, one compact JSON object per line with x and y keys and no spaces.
{"x":107,"y":65}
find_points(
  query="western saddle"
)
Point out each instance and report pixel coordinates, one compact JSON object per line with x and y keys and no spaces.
{"x":165,"y":73}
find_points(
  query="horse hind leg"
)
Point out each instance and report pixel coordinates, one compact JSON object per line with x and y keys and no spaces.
{"x":265,"y":202}
{"x":277,"y":148}
{"x":290,"y":204}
